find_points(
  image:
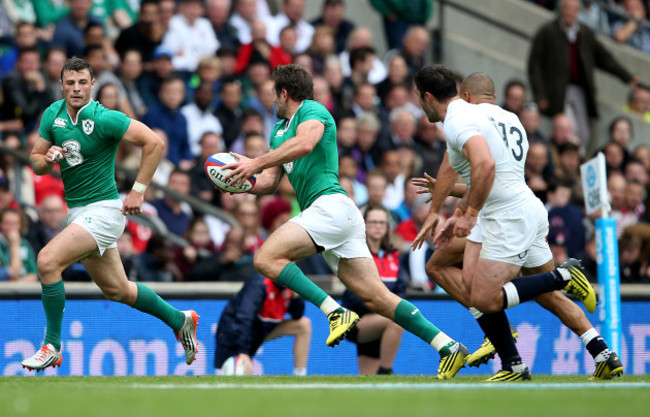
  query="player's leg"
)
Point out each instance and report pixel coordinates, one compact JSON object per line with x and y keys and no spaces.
{"x":607,"y":362}
{"x":442,"y":269}
{"x":108,"y":273}
{"x":69,"y":246}
{"x":275,"y":260}
{"x":360,"y":275}
{"x":374,"y":327}
{"x":301,"y":329}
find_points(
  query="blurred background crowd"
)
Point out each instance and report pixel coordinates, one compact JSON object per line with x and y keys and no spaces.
{"x":198,"y":73}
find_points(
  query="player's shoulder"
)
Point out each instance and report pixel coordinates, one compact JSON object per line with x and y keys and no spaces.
{"x":54,"y":109}
{"x":311,"y":107}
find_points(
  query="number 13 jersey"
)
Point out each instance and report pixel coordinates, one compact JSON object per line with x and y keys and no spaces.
{"x":508,"y":144}
{"x":91,"y":141}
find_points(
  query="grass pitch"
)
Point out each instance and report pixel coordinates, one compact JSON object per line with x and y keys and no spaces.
{"x":331,"y":396}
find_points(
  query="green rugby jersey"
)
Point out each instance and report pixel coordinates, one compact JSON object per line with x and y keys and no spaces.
{"x":317,"y":173}
{"x":91,"y":141}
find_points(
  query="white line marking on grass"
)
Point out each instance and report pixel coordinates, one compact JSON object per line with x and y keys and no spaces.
{"x":399,"y":386}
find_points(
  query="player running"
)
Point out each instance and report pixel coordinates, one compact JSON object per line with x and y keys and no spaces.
{"x":83,"y":136}
{"x":303,"y":145}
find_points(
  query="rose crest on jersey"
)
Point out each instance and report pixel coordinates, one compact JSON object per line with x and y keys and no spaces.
{"x":88,"y":126}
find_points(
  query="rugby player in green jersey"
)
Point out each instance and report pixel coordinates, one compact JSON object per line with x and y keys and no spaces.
{"x":82,"y":136}
{"x":303,"y":145}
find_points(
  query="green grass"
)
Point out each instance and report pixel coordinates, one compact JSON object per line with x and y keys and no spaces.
{"x":374,"y":396}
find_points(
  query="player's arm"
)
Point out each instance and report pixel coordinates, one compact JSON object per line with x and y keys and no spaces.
{"x":267,"y":181}
{"x":44,"y":155}
{"x":152,"y":150}
{"x":443,"y":185}
{"x":308,"y":134}
{"x":477,"y":152}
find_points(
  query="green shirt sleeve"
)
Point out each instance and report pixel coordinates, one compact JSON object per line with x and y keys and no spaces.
{"x":314,"y":112}
{"x":45,"y":129}
{"x":29,"y":263}
{"x":112,"y":125}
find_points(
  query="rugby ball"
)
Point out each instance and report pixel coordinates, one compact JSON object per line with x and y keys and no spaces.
{"x":233,"y":367}
{"x":214,"y":170}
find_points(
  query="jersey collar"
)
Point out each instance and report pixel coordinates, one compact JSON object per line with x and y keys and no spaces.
{"x":74,"y":121}
{"x":294,"y":115}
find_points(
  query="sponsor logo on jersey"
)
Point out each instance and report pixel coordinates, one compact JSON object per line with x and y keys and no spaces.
{"x":59,"y":122}
{"x":288,"y":167}
{"x":88,"y":126}
{"x":280,"y":133}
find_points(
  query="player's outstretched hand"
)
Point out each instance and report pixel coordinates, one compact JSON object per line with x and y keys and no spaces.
{"x":428,"y":227}
{"x":55,"y":154}
{"x":445,"y":234}
{"x":242,"y":170}
{"x":133,"y":203}
{"x":426,"y":184}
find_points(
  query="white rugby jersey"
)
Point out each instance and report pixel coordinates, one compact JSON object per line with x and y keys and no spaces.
{"x":508,"y":144}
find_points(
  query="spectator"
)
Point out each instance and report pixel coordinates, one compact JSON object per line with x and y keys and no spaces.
{"x":50,"y":12}
{"x":413,"y":262}
{"x":264,"y":104}
{"x":129,"y":74}
{"x":109,"y":96}
{"x":251,"y":123}
{"x":614,"y":157}
{"x":248,"y":216}
{"x":594,"y":15}
{"x":256,"y":314}
{"x":25,"y":37}
{"x":150,"y":83}
{"x":367,"y":153}
{"x":561,"y":133}
{"x":170,"y":210}
{"x":200,"y":118}
{"x":168,"y":117}
{"x":333,"y":16}
{"x":530,"y":120}
{"x":323,"y":95}
{"x":629,"y":249}
{"x":635,"y":171}
{"x":361,"y":61}
{"x":242,"y":19}
{"x":322,"y":47}
{"x":348,"y":169}
{"x":70,"y":30}
{"x":557,"y":242}
{"x":346,"y":134}
{"x":398,"y":74}
{"x":232,"y":263}
{"x":430,"y":145}
{"x":52,"y":66}
{"x":218,"y":13}
{"x":199,"y":248}
{"x":413,"y":48}
{"x":94,"y":34}
{"x":399,"y":16}
{"x":145,"y":35}
{"x":362,"y":37}
{"x":514,"y":97}
{"x":156,"y":264}
{"x":51,"y":218}
{"x":630,"y":31}
{"x":536,"y":174}
{"x":291,"y":15}
{"x":638,"y":103}
{"x":364,"y":100}
{"x":390,"y":168}
{"x":616,"y":186}
{"x":255,"y":145}
{"x":376,"y":184}
{"x":642,"y":154}
{"x":190,"y":37}
{"x":377,"y":338}
{"x":557,"y":84}
{"x":340,"y":92}
{"x":18,"y":175}
{"x":568,"y":169}
{"x":258,"y":49}
{"x":128,"y":255}
{"x":567,"y":216}
{"x":229,"y":112}
{"x":210,"y":143}
{"x":25,"y":90}
{"x":17,"y":257}
{"x":167,"y":11}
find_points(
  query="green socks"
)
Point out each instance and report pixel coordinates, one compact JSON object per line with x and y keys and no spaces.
{"x":53,"y":298}
{"x":409,"y":317}
{"x":149,"y":302}
{"x":293,"y":278}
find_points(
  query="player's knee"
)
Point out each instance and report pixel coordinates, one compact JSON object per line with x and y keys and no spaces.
{"x":114,"y":293}
{"x":261,"y":262}
{"x":432,"y":270}
{"x":47,"y":264}
{"x":486,"y":304}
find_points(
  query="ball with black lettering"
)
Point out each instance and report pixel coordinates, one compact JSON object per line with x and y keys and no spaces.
{"x":215,"y":171}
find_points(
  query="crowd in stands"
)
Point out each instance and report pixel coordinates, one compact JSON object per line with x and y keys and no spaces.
{"x":198,"y":73}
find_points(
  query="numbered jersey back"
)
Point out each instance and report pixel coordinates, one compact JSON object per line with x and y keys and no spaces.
{"x":508,"y":145}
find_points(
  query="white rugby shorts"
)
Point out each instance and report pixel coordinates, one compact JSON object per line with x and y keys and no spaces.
{"x":102,"y":219}
{"x":516,"y":236}
{"x":335,"y":223}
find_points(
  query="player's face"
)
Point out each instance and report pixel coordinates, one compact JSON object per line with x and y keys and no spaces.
{"x":427,"y":107}
{"x":77,"y":86}
{"x":280,"y":103}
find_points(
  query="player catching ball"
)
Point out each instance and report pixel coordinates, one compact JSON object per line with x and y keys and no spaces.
{"x":303,"y":145}
{"x":83,"y":136}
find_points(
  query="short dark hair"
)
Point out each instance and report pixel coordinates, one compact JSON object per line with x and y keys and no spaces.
{"x":26,"y":50}
{"x":78,"y":65}
{"x":89,"y":49}
{"x":437,"y":80}
{"x":92,"y":25}
{"x":360,"y":54}
{"x":569,"y":147}
{"x":625,"y":119}
{"x":513,"y":83}
{"x":296,"y":80}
